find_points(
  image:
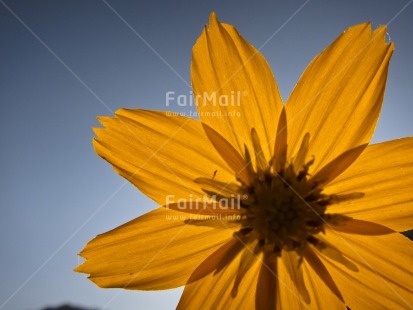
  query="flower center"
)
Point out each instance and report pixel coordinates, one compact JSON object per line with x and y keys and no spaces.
{"x":283,"y":210}
{"x":282,"y":206}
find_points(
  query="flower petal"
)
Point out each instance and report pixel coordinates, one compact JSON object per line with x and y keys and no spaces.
{"x":228,"y":153}
{"x":384,"y":173}
{"x":318,"y":267}
{"x":218,"y":287}
{"x":280,"y":147}
{"x":247,"y":260}
{"x":334,"y":254}
{"x":226,"y":66}
{"x":335,"y":167}
{"x":320,"y":295}
{"x":291,"y":263}
{"x":221,"y":188}
{"x":349,"y":225}
{"x":338,"y":98}
{"x":160,"y":154}
{"x":155,"y":251}
{"x":289,"y":296}
{"x":217,"y":260}
{"x":206,"y":208}
{"x":266,"y":297}
{"x":300,"y":157}
{"x":278,"y":288}
{"x":260,"y":161}
{"x":384,"y":270}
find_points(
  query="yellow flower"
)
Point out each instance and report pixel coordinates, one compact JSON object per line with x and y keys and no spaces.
{"x":302,"y":213}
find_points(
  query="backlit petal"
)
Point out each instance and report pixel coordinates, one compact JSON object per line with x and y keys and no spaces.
{"x":291,"y":263}
{"x":384,"y":270}
{"x":384,"y":173}
{"x":289,"y":296}
{"x":160,"y":154}
{"x":224,"y":65}
{"x":318,"y":267}
{"x":335,"y":167}
{"x":352,"y":226}
{"x":228,"y":153}
{"x":266,"y":297}
{"x":338,"y":98}
{"x":206,"y":208}
{"x":155,"y":251}
{"x":217,"y":260}
{"x":280,"y":147}
{"x":320,"y":295}
{"x":217,"y":287}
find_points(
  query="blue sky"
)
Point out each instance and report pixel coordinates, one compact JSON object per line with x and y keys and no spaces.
{"x":65,"y":62}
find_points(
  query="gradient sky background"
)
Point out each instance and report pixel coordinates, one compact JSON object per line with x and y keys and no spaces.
{"x":56,"y":193}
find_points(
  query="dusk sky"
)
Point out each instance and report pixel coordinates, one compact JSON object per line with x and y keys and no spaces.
{"x":65,"y":62}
